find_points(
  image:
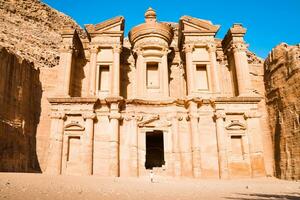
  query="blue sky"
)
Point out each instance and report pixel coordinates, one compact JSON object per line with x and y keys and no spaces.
{"x":269,"y":22}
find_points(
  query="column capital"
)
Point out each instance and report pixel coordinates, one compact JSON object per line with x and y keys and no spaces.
{"x":138,"y":51}
{"x":194,"y":115}
{"x":58,"y":115}
{"x":94,"y":48}
{"x":66,"y":48}
{"x":251,"y":114}
{"x":166,"y":51}
{"x":238,"y":47}
{"x":89,"y":116}
{"x":188,"y":48}
{"x":117,"y":48}
{"x":117,"y":116}
{"x":211,"y":47}
{"x":220,"y":114}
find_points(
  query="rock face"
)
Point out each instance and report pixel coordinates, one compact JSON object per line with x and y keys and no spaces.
{"x":20,"y":95}
{"x":282,"y":75}
{"x":30,"y":31}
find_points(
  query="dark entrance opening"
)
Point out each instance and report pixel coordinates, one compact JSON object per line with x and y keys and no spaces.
{"x":154,"y":149}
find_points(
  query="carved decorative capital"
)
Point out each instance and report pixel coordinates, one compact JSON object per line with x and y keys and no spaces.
{"x":117,"y":48}
{"x":94,"y":48}
{"x":89,"y":116}
{"x":117,"y":116}
{"x":166,"y":51}
{"x":187,"y":117}
{"x":251,"y":114}
{"x":138,"y":51}
{"x":211,"y":47}
{"x":194,"y":115}
{"x":238,"y":47}
{"x":220,"y":115}
{"x":66,"y":48}
{"x":188,"y":48}
{"x":58,"y":115}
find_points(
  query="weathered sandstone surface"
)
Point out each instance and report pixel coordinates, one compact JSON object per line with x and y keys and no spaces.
{"x":31,"y":30}
{"x":29,"y":41}
{"x":20,"y":96}
{"x":282,"y":80}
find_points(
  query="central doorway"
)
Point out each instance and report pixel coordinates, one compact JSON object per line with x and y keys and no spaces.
{"x":154,"y":149}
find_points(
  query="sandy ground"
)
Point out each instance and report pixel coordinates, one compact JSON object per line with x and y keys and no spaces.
{"x":40,"y":186}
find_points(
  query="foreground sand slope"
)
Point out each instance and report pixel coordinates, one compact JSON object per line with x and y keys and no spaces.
{"x":37,"y":186}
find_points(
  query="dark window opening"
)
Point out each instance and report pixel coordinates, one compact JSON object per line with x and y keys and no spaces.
{"x":154,"y":149}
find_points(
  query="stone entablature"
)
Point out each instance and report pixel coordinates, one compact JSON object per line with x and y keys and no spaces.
{"x":165,"y":99}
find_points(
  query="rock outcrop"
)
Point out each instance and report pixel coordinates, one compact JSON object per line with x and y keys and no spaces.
{"x":282,"y":81}
{"x":20,"y":95}
{"x":29,"y":40}
{"x":31,"y":29}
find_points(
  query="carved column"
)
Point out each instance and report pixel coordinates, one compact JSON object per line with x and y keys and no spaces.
{"x":214,"y":68}
{"x":255,"y":144}
{"x":54,"y":163}
{"x":242,"y":68}
{"x":175,"y":145}
{"x":195,"y":139}
{"x":165,"y":71}
{"x":88,"y":141}
{"x":94,"y":49}
{"x":65,"y":62}
{"x":185,"y":140}
{"x":188,"y":49}
{"x":115,"y":75}
{"x":139,"y":73}
{"x":114,"y":116}
{"x":222,"y":144}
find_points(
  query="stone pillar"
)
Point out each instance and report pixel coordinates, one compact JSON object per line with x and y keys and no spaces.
{"x":195,"y":139}
{"x":114,"y":116}
{"x":185,"y":140}
{"x":255,"y":144}
{"x":115,"y":74}
{"x":54,"y":163}
{"x":132,"y":163}
{"x":165,"y":72}
{"x":65,"y":62}
{"x":94,"y":49}
{"x":241,"y":68}
{"x":175,"y":145}
{"x":214,"y":68}
{"x":88,"y":143}
{"x":222,"y":144}
{"x":139,"y":73}
{"x":188,"y":49}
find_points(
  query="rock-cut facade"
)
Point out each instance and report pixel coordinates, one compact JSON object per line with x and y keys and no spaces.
{"x":170,"y":97}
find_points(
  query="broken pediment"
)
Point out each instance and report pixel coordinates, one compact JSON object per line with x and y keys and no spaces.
{"x":115,"y":24}
{"x":235,"y":125}
{"x":154,"y":122}
{"x":73,"y":126}
{"x":193,"y":25}
{"x":147,"y":120}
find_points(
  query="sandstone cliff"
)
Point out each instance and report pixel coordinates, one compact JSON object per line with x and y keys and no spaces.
{"x":31,"y":29}
{"x":29,"y":41}
{"x":282,"y":81}
{"x":20,"y":95}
